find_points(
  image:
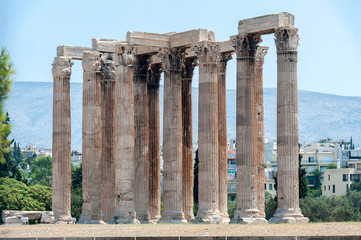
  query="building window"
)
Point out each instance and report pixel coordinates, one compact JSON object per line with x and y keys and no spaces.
{"x":324,"y":188}
{"x":333,"y":188}
{"x":265,"y":186}
{"x":311,"y":159}
{"x":270,"y":187}
{"x":329,"y":177}
{"x":345,"y":177}
{"x":329,"y":188}
{"x":346,"y":187}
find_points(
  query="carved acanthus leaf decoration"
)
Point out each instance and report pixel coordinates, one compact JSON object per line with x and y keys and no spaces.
{"x":62,"y":67}
{"x":260,"y":53}
{"x":188,"y":67}
{"x":246,"y":45}
{"x":207,"y":52}
{"x":172,"y":59}
{"x":91,"y":62}
{"x":107,"y":67}
{"x":286,"y":39}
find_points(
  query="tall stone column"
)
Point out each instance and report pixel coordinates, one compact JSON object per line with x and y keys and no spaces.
{"x":288,"y":210}
{"x":260,"y":53}
{"x":107,"y":162}
{"x":124,"y":136}
{"x":222,"y":136}
{"x":61,"y":184}
{"x":208,"y":211}
{"x":247,"y":162}
{"x":141,"y":148}
{"x":154,"y":199}
{"x":172,"y":136}
{"x":92,"y":139}
{"x":187,"y":157}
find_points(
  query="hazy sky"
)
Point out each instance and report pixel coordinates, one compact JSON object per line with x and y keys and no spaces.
{"x":330,"y":33}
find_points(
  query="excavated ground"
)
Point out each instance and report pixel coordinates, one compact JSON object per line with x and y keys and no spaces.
{"x":350,"y":230}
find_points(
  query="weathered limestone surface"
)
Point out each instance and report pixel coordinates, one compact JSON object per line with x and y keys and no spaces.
{"x":148,"y":39}
{"x":141,"y":148}
{"x":154,"y":199}
{"x":260,"y":53}
{"x":190,"y":37}
{"x":11,"y":217}
{"x":124,"y":136}
{"x":288,"y":210}
{"x":247,"y":163}
{"x":105,"y":45}
{"x":92,"y":139}
{"x":71,"y":52}
{"x":265,"y":24}
{"x":222,"y":136}
{"x":61,"y":167}
{"x":187,"y":157}
{"x":107,"y":162}
{"x":208,"y":211}
{"x":172,"y":137}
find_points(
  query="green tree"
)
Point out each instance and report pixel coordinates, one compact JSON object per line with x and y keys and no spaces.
{"x":6,"y":74}
{"x":76,"y":191}
{"x":331,"y":166}
{"x":356,"y":186}
{"x":317,"y":175}
{"x":302,"y":179}
{"x":196,"y":177}
{"x":41,"y":171}
{"x":270,"y":205}
{"x":15,"y":195}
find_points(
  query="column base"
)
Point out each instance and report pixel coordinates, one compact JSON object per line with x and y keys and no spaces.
{"x":144,"y":218}
{"x":189,"y":218}
{"x":172,"y":217}
{"x":288,"y":215}
{"x":125,"y":218}
{"x":90,"y":219}
{"x":155,"y":219}
{"x":248,"y":216}
{"x":225,"y":218}
{"x":208,"y":216}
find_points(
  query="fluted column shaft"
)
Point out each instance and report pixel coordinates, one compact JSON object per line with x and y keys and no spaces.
{"x":260,"y":53}
{"x":124,"y":136}
{"x":92,"y":139}
{"x":187,"y":159}
{"x":222,"y":136}
{"x":154,"y":201}
{"x":61,"y":165}
{"x":288,"y":210}
{"x":141,"y":118}
{"x":208,"y":134}
{"x":246,"y":145}
{"x":107,"y":162}
{"x":172,"y":136}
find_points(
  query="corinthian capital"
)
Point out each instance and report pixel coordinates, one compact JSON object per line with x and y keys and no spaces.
{"x":91,"y":62}
{"x":286,"y":39}
{"x":207,"y":52}
{"x":62,"y":67}
{"x":224,"y":58}
{"x":125,"y":54}
{"x":172,"y":59}
{"x":107,"y":67}
{"x":246,"y":45}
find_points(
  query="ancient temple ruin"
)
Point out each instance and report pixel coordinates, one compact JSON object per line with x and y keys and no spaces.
{"x":121,"y":128}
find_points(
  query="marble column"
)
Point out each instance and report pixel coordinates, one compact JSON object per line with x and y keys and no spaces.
{"x":154,"y":199}
{"x":260,"y":53}
{"x":247,"y":163}
{"x":124,"y":136}
{"x":172,"y":136}
{"x":107,"y":162}
{"x":61,"y":184}
{"x":92,"y":139}
{"x":208,"y":211}
{"x":141,"y":148}
{"x":187,"y":158}
{"x":288,"y":210}
{"x":222,"y":136}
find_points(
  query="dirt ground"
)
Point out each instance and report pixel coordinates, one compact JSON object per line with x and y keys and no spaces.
{"x":312,"y":229}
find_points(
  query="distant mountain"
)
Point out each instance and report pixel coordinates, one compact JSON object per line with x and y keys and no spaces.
{"x":320,"y":115}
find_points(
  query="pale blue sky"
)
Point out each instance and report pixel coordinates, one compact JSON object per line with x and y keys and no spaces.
{"x":330,"y":33}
